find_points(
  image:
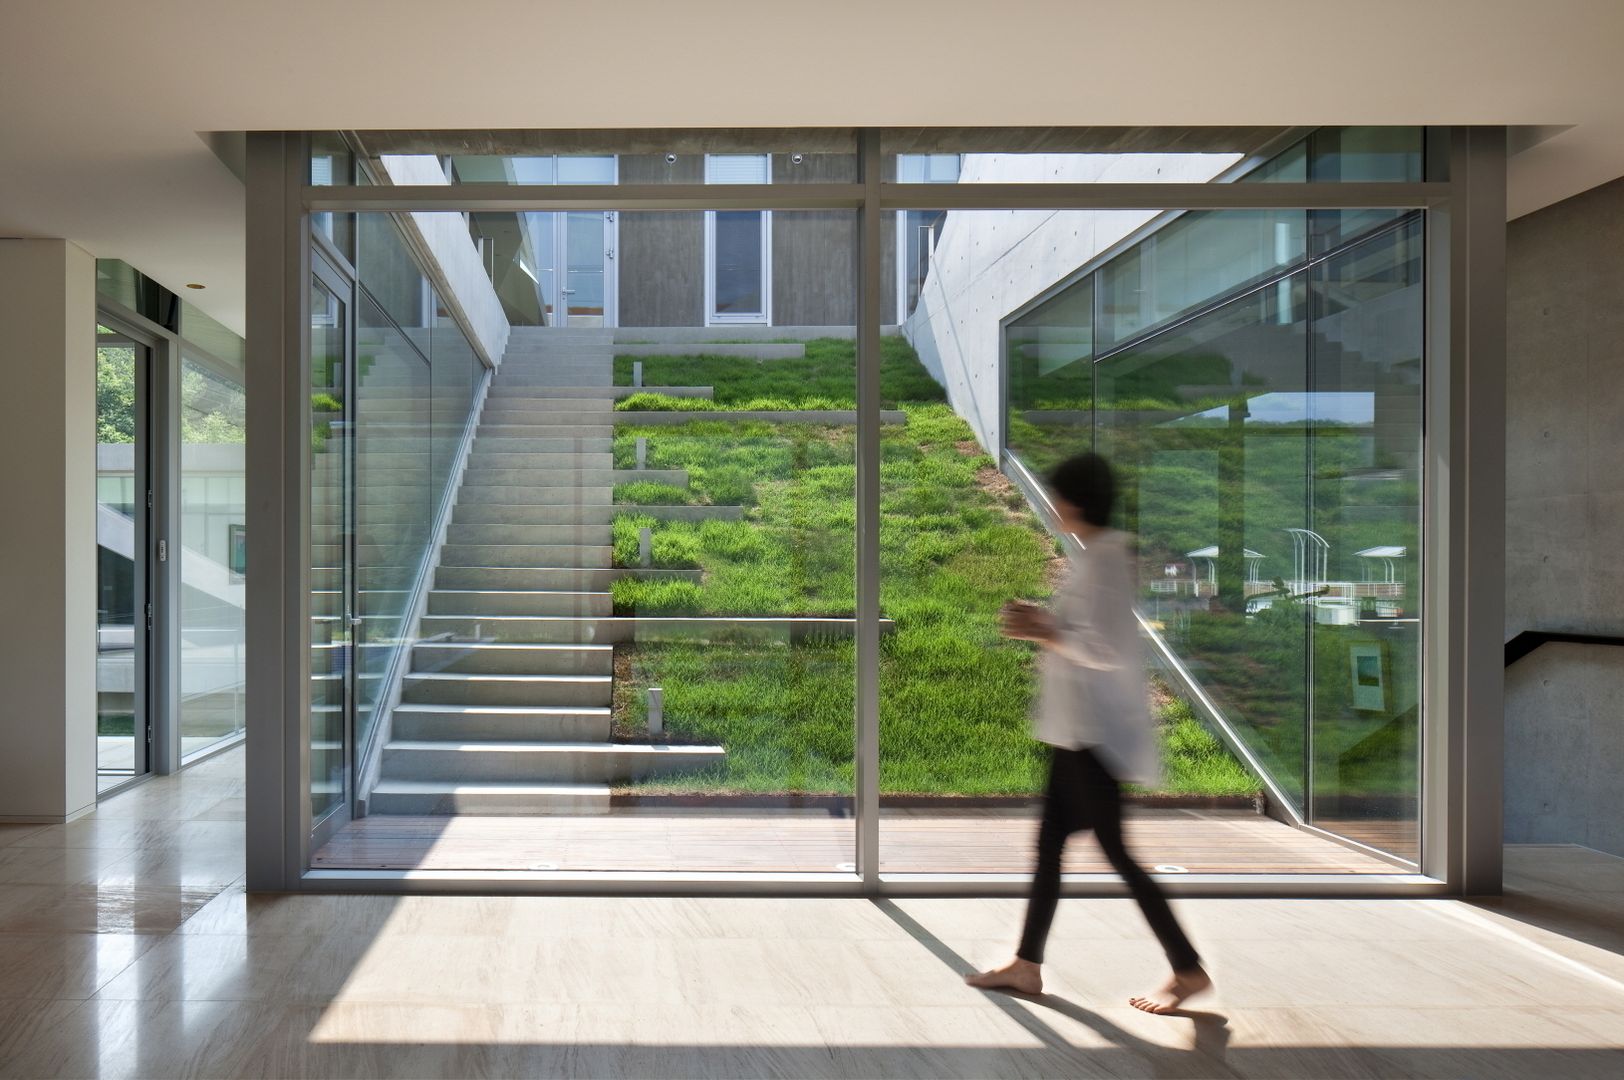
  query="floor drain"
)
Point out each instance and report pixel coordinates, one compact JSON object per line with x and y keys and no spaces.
{"x":1169,"y":868}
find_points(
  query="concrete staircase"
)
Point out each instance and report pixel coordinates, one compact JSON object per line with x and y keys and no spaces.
{"x":506,"y":706}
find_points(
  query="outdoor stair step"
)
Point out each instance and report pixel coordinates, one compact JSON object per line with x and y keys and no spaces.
{"x":518,"y":602}
{"x":533,"y":494}
{"x":479,"y":533}
{"x":499,"y":457}
{"x":489,"y":798}
{"x":563,"y":393}
{"x":500,"y":723}
{"x":493,"y":658}
{"x":480,"y":476}
{"x":418,"y":688}
{"x":497,"y":415}
{"x":534,"y":762}
{"x":506,"y":404}
{"x":604,"y":430}
{"x":543,"y":514}
{"x":523,"y":533}
{"x":568,"y":578}
{"x":544,"y":444}
{"x":531,"y":555}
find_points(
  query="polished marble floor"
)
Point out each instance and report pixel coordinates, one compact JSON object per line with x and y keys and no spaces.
{"x":128,"y":948}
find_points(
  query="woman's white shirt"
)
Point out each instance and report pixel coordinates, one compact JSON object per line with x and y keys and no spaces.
{"x":1093,"y":692}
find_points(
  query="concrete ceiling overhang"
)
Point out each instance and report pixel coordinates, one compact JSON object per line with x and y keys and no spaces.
{"x":102,"y":105}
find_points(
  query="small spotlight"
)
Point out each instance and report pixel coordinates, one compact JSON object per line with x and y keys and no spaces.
{"x":670,"y":159}
{"x":195,"y":285}
{"x":796,"y":159}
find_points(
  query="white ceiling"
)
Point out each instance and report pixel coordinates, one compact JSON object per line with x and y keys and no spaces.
{"x":101,"y":101}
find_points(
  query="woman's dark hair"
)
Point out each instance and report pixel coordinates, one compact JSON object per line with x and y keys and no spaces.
{"x":1087,"y":482}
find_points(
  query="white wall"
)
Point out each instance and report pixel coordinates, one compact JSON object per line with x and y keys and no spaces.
{"x":48,"y":532}
{"x":990,"y":262}
{"x":446,"y":236}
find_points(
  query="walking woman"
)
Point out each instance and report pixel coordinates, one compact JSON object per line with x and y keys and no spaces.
{"x":1092,"y":711}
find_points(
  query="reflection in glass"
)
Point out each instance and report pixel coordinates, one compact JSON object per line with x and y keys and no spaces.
{"x":1366,"y":448}
{"x":331,"y":654}
{"x":1269,"y":448}
{"x":120,"y":626}
{"x":584,"y":295}
{"x":395,"y":502}
{"x":1207,"y":426}
{"x":211,"y":554}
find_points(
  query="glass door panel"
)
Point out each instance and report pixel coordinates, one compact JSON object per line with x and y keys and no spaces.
{"x":211,"y":555}
{"x":585,"y":256}
{"x":331,"y":529}
{"x":122,"y":622}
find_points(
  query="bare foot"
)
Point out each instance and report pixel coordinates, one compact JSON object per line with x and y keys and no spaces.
{"x":1022,"y":976}
{"x":1182,"y":986}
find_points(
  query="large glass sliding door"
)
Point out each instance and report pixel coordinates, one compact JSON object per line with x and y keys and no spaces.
{"x":123,"y":586}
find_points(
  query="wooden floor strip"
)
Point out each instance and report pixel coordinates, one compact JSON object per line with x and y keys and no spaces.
{"x":994,"y":842}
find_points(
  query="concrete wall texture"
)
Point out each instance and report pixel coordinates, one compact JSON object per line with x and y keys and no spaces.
{"x":48,"y":577}
{"x":990,"y":262}
{"x":1565,"y":519}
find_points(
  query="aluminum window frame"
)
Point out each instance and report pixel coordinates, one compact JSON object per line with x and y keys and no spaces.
{"x":1463,"y":502}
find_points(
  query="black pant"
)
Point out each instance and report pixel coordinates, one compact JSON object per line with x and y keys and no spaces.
{"x":1083,"y":795}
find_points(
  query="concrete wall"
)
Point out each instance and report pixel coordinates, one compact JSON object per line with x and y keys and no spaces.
{"x":813,"y":259}
{"x":1565,"y":519}
{"x":662,"y":255}
{"x":445,"y":234}
{"x":990,"y":262}
{"x":48,"y":533}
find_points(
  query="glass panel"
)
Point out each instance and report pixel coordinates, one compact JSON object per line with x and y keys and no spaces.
{"x":585,"y":244}
{"x":1051,"y":379}
{"x":737,"y":285}
{"x":1191,"y":259}
{"x":1207,"y":425}
{"x":126,"y":286}
{"x":1269,"y":450}
{"x":395,"y":500}
{"x":518,"y":254}
{"x":665,"y":156}
{"x":120,"y":577}
{"x":212,"y":556}
{"x":389,"y":273}
{"x":455,"y":376}
{"x":333,"y":163}
{"x":210,"y":335}
{"x":1366,"y":470}
{"x":529,"y":708}
{"x":331,"y":654}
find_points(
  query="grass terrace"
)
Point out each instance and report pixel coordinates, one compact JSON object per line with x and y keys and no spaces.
{"x":956,"y":542}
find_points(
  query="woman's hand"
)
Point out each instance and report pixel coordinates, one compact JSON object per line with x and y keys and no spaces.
{"x":1026,"y":622}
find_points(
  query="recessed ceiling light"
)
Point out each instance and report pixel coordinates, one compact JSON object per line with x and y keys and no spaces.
{"x":195,"y":285}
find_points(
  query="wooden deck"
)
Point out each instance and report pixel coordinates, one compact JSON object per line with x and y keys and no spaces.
{"x":758,"y":841}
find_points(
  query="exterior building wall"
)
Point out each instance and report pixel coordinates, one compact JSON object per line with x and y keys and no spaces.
{"x":662,"y":254}
{"x":812,"y":262}
{"x":1564,"y":519}
{"x":48,"y":577}
{"x":988,"y":263}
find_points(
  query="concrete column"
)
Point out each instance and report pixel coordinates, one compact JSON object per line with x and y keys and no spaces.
{"x":48,"y":531}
